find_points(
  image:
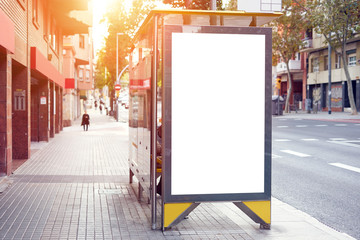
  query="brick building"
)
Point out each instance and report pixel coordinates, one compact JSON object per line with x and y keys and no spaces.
{"x":31,"y":71}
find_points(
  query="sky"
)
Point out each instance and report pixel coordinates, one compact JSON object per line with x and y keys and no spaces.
{"x":99,"y":9}
{"x":99,"y":30}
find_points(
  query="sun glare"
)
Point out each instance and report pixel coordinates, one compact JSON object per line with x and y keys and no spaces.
{"x":100,"y":8}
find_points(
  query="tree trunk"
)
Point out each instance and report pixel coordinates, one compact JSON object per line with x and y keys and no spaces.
{"x":289,"y":88}
{"x":350,"y":88}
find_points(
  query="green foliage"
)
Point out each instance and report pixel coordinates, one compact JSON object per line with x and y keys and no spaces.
{"x":125,"y":23}
{"x":287,"y":37}
{"x":195,"y":4}
{"x":340,"y":18}
{"x":288,"y":31}
{"x":231,"y":5}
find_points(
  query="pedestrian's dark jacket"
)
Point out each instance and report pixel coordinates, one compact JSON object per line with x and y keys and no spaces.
{"x":85,"y":119}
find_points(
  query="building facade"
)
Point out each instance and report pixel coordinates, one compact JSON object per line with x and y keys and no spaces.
{"x":318,"y":75}
{"x":31,"y":71}
{"x":79,"y":74}
{"x":310,"y":73}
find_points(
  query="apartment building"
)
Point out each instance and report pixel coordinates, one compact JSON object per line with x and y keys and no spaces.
{"x":318,"y":74}
{"x":78,"y":56}
{"x":32,"y":81}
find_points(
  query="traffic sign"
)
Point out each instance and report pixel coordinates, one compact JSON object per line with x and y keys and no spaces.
{"x":117,"y":87}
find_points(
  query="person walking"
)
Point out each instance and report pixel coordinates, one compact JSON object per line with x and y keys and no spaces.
{"x":85,"y":122}
{"x":100,"y":107}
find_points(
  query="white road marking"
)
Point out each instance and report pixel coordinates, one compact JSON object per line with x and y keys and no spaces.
{"x":275,"y":156}
{"x":337,"y":139}
{"x":340,"y":125}
{"x":282,"y":126}
{"x":301,"y":126}
{"x":346,"y":143}
{"x":344,"y":166}
{"x":282,"y":140}
{"x":295,"y":153}
{"x":321,"y":125}
{"x":310,"y":139}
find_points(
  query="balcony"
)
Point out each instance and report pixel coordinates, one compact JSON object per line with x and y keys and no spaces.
{"x":72,"y":16}
{"x":294,"y":66}
{"x":308,"y":43}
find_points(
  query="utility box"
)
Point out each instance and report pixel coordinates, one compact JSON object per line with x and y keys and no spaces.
{"x":194,"y":136}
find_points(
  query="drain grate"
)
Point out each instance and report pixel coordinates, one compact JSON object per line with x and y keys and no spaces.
{"x":110,"y":191}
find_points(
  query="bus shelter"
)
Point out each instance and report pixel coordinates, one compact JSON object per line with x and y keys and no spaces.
{"x":200,"y":112}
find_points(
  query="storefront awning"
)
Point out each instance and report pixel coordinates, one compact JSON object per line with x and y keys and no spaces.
{"x":140,"y":84}
{"x":43,"y":66}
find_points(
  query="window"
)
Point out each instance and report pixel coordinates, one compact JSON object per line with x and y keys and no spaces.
{"x":81,"y":74}
{"x":87,"y":75}
{"x":326,"y":63}
{"x":53,"y":35}
{"x":337,"y":61}
{"x":46,"y":21}
{"x":351,"y":57}
{"x":81,"y":41}
{"x":315,"y":64}
{"x":35,"y":13}
{"x":352,"y":60}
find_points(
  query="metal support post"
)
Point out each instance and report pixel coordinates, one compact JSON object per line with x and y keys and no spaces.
{"x":154,"y":125}
{"x":329,"y":70}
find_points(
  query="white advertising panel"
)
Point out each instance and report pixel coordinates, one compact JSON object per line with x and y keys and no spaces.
{"x":218,"y":115}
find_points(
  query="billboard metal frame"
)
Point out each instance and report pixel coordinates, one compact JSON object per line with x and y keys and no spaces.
{"x":167,"y":116}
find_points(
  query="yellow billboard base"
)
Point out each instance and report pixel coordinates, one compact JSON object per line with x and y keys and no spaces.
{"x":258,"y":211}
{"x":175,"y":212}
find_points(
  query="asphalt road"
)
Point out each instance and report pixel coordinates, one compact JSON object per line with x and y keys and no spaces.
{"x":316,"y":168}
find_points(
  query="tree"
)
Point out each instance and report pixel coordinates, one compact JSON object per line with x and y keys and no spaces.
{"x":126,"y":23}
{"x":338,"y":21}
{"x":193,"y":4}
{"x":287,"y":37}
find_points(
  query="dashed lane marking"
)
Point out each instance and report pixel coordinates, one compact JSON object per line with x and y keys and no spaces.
{"x":301,"y":126}
{"x":275,"y":156}
{"x":346,"y":143}
{"x":321,"y":125}
{"x":295,"y":153}
{"x":344,"y":166}
{"x":282,"y":126}
{"x":309,"y":139}
{"x":340,"y":125}
{"x":282,"y":140}
{"x":337,"y":139}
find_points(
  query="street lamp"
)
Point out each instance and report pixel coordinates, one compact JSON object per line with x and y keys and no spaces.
{"x":117,"y":72}
{"x":117,"y":54}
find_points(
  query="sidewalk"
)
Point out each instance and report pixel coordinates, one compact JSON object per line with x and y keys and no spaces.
{"x":320,"y":115}
{"x":77,"y":187}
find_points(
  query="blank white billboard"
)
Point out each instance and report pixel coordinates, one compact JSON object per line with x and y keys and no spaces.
{"x":218,"y":115}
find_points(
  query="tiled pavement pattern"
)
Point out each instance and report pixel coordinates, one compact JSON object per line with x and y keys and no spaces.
{"x":76,"y":187}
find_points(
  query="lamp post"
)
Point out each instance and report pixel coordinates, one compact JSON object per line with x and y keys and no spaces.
{"x":117,"y":72}
{"x":117,"y":54}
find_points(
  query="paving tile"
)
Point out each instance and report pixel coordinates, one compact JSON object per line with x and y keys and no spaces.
{"x":76,"y":187}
